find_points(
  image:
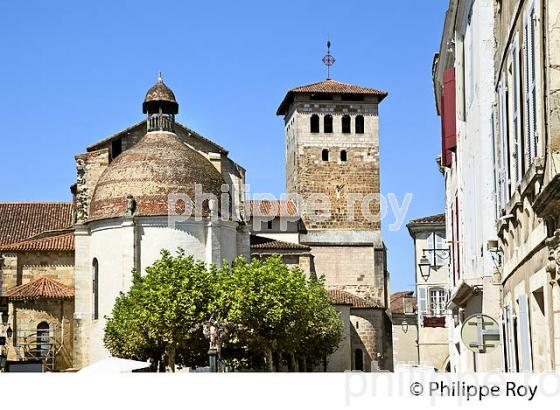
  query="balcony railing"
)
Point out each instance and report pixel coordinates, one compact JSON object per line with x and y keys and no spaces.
{"x":161,"y":122}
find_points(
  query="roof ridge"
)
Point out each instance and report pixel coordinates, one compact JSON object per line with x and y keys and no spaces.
{"x":36,"y":202}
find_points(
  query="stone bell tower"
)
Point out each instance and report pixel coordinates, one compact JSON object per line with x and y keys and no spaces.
{"x":332,"y":152}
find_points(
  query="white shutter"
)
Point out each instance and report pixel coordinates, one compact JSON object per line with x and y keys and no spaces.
{"x":439,"y":245}
{"x":530,"y":86}
{"x":421,"y":304}
{"x":512,"y":352}
{"x":525,"y":334}
{"x":503,"y":172}
{"x":503,"y":342}
{"x":516,"y":103}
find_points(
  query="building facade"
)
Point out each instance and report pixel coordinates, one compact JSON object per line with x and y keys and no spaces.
{"x":405,"y":329}
{"x":432,"y":290}
{"x":527,"y":129}
{"x":463,"y":75}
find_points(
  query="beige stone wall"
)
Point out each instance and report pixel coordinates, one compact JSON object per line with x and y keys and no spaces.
{"x":308,"y":174}
{"x":405,"y":348}
{"x":23,"y":267}
{"x":369,"y":333}
{"x":26,"y":316}
{"x":357,"y":269}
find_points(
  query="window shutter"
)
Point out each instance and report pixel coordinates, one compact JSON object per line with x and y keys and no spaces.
{"x":449,"y":115}
{"x":530,"y":87}
{"x":525,"y":334}
{"x":421,"y":303}
{"x":516,"y":99}
{"x":503,"y":358}
{"x":512,"y":352}
{"x":439,"y":245}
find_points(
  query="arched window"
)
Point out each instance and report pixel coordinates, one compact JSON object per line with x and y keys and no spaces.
{"x":43,"y":339}
{"x":325,"y":155}
{"x":358,"y":359}
{"x":314,"y":123}
{"x":95,"y":287}
{"x":346,"y":124}
{"x":343,"y":155}
{"x":328,"y":124}
{"x":359,"y":124}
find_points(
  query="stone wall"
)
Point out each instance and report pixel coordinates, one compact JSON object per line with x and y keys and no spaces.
{"x":369,"y":333}
{"x":307,"y":173}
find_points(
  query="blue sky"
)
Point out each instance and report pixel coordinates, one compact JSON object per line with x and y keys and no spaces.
{"x":73,"y":73}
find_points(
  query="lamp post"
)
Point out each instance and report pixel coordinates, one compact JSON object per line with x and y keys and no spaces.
{"x":426,"y":266}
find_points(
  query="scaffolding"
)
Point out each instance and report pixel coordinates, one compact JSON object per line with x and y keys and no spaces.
{"x":38,"y":344}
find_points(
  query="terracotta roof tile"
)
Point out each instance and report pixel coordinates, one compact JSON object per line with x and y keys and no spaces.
{"x":42,"y":288}
{"x":328,"y":87}
{"x":274,"y":208}
{"x":341,"y":297}
{"x":261,"y":243}
{"x":439,"y":218}
{"x":50,"y":241}
{"x":398,"y":299}
{"x":22,"y":220}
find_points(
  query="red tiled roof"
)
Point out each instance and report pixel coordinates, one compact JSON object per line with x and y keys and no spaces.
{"x":274,"y":208}
{"x":42,"y":288}
{"x":261,"y":243}
{"x":439,"y":218}
{"x":22,"y":220}
{"x":328,"y":87}
{"x":49,"y":241}
{"x":341,"y":297}
{"x":397,"y":301}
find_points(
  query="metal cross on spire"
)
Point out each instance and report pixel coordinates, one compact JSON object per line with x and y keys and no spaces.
{"x":328,"y":60}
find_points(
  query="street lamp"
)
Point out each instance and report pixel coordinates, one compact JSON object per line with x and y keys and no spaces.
{"x":404,"y":326}
{"x":425,"y":267}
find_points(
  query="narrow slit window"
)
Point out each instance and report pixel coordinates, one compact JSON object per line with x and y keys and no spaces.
{"x":325,"y":155}
{"x":343,"y":156}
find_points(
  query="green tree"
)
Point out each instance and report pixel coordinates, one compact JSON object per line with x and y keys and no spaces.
{"x":276,"y":313}
{"x":163,"y":312}
{"x":271,"y":312}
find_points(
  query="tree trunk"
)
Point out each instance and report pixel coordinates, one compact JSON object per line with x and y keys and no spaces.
{"x":170,"y":355}
{"x":268,"y":360}
{"x":291,"y":362}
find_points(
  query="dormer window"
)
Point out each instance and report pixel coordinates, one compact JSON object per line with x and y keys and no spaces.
{"x":346,"y":124}
{"x":328,"y":124}
{"x":314,"y":125}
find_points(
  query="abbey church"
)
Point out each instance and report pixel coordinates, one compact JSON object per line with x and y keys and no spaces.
{"x":62,"y":265}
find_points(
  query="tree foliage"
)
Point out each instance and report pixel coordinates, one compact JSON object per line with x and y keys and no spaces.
{"x":273,"y":314}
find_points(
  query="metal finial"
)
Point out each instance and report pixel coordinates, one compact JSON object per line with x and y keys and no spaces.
{"x":160,"y":78}
{"x":328,"y":60}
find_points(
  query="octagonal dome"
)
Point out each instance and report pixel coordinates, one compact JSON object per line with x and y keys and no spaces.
{"x":160,"y":164}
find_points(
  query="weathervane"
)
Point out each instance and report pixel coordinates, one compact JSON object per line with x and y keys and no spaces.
{"x":328,"y":60}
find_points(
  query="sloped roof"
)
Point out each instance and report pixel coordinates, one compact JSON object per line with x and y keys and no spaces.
{"x":42,"y":288}
{"x":439,"y":218}
{"x":274,"y":208}
{"x":327,"y":87}
{"x":341,"y":297}
{"x":22,"y":220}
{"x":100,"y":144}
{"x":48,"y":241}
{"x":261,"y":243}
{"x":398,"y":299}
